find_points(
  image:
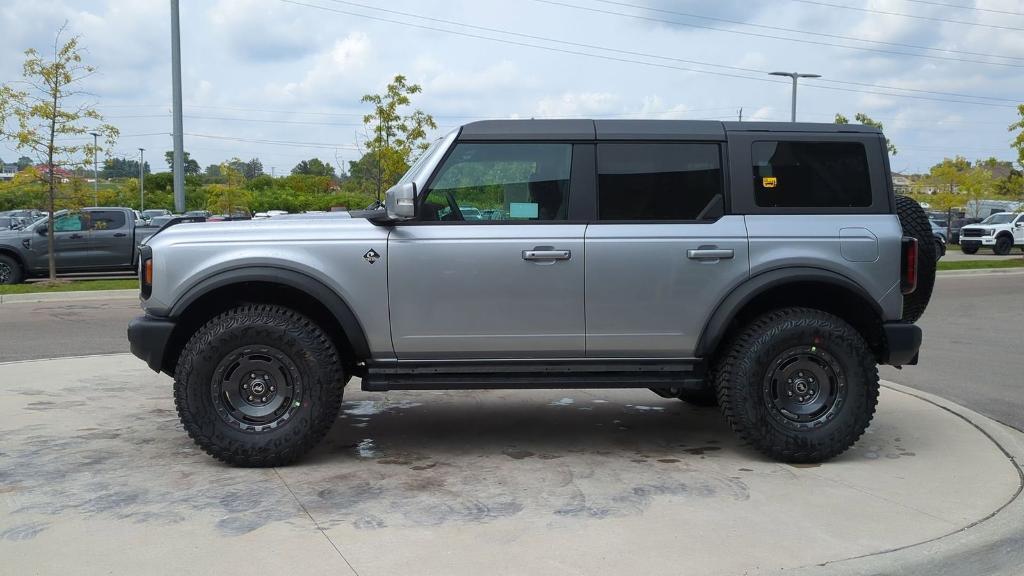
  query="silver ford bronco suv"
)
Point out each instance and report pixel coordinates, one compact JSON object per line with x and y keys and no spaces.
{"x":767,"y":268}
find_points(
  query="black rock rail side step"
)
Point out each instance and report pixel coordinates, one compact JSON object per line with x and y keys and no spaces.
{"x":532,"y":374}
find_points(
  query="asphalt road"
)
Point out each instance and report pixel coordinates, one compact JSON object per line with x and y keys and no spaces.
{"x":972,"y":352}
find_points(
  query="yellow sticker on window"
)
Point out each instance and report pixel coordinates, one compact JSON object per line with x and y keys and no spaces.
{"x":769,"y":181}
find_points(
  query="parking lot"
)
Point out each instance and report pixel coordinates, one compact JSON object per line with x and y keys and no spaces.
{"x":94,"y":462}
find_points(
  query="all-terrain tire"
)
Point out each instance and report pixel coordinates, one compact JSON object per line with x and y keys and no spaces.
{"x":751,"y":371}
{"x":915,"y":224}
{"x":299,"y":360}
{"x":705,"y":397}
{"x":10,"y":270}
{"x":1003,"y":246}
{"x":973,"y":249}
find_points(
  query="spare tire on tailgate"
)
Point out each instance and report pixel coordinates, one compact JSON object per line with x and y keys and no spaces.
{"x":915,"y":224}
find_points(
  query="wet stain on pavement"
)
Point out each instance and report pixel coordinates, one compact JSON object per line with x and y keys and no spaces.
{"x":702,"y":450}
{"x":23,"y":532}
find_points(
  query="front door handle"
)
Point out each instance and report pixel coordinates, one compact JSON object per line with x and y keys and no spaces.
{"x":709,"y":253}
{"x":120,"y":235}
{"x":546,"y":254}
{"x":76,"y":237}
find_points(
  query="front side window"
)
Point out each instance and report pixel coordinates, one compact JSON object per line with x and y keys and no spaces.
{"x":657,"y":181}
{"x":810,"y":175}
{"x":70,"y":223}
{"x":491,"y":181}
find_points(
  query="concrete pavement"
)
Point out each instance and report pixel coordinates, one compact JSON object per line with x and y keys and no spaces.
{"x":96,"y":476}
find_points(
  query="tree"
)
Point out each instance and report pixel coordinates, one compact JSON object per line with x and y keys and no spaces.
{"x":314,"y":167}
{"x":23,"y":162}
{"x":1018,"y":142}
{"x":122,"y":168}
{"x":394,"y":137}
{"x":191,"y":166}
{"x":866,"y":120}
{"x":252,"y":169}
{"x":46,"y":120}
{"x":213,"y":170}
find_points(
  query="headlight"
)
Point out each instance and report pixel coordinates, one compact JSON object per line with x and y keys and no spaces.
{"x":989,"y":231}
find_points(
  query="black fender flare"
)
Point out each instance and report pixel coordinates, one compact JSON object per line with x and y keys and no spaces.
{"x":727,"y":309}
{"x":337,"y":305}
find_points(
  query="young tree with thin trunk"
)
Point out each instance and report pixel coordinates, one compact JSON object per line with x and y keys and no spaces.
{"x":46,"y":115}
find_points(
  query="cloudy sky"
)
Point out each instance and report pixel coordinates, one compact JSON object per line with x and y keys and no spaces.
{"x":281,"y":79}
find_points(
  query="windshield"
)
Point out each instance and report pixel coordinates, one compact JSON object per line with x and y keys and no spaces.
{"x":999,"y":219}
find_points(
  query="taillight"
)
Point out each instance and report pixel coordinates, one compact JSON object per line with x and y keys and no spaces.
{"x":908,"y":265}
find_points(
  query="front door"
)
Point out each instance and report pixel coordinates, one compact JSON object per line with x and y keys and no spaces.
{"x":71,"y":244}
{"x":662,"y":253}
{"x":491,"y":268}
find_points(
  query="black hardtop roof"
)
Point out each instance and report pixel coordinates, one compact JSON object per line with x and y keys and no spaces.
{"x":579,"y":129}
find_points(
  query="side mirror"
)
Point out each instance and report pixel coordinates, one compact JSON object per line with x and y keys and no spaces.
{"x":400,"y":202}
{"x":42,"y":230}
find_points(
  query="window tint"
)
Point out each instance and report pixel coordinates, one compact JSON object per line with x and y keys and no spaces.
{"x":810,"y":174}
{"x":103,"y":220}
{"x":501,"y":182}
{"x":657,"y":181}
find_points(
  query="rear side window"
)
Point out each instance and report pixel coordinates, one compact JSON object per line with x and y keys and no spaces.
{"x":657,"y":181}
{"x":810,"y":175}
{"x":104,"y":220}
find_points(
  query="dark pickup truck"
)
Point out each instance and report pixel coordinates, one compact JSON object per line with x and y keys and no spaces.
{"x":88,"y":240}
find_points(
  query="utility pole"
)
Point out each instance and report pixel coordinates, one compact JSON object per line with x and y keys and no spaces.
{"x":741,"y":114}
{"x":795,"y":76}
{"x":142,"y":179}
{"x":179,"y":146}
{"x":95,"y":171}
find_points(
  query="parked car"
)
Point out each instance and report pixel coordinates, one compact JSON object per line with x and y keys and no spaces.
{"x":627,"y":261}
{"x":1001,"y":232}
{"x":150,"y":214}
{"x":939,"y":232}
{"x":13,"y":222}
{"x":956,"y":225}
{"x":198,"y":213}
{"x":90,"y":240}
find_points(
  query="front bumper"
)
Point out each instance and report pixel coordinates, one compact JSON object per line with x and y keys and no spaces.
{"x":976,"y":241}
{"x":902,"y":343}
{"x":148,"y":338}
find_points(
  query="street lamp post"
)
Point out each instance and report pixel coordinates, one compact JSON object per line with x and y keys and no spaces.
{"x":142,"y":179}
{"x":795,"y":76}
{"x":95,"y":171}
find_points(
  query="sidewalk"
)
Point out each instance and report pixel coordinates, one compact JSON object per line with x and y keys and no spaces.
{"x":96,"y":476}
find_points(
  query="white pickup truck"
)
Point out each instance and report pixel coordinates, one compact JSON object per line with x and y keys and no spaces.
{"x":1001,"y":232}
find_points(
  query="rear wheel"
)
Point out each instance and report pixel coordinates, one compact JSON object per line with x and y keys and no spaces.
{"x":916,"y":225}
{"x":1003,"y":246}
{"x":800,"y":385}
{"x":972,"y":249}
{"x":10,"y":270}
{"x":258,"y":385}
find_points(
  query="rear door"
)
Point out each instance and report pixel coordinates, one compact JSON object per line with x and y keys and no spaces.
{"x":110,"y":239}
{"x":663,"y":250}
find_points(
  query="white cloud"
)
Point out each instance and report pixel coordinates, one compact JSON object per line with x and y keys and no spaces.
{"x":331,"y":72}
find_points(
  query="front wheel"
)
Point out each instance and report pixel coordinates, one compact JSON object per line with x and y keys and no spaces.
{"x":258,"y":385}
{"x":969,"y":249}
{"x":10,"y":271}
{"x":1003,"y":246}
{"x":800,"y":385}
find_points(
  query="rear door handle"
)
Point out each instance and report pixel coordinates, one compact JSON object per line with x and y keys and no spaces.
{"x":709,"y":253}
{"x":76,"y":237}
{"x":546,"y":254}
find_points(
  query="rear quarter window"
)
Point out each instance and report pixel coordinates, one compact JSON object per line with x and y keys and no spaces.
{"x":810,"y":174}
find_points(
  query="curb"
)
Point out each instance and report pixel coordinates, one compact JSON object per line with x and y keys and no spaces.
{"x":993,"y":545}
{"x":68,"y":296}
{"x":984,"y":271}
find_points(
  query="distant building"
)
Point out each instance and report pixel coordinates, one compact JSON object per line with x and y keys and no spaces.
{"x":901,"y":184}
{"x":59,"y":173}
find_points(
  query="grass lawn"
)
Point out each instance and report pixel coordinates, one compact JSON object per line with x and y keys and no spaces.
{"x":71,"y":286}
{"x":980,"y":264}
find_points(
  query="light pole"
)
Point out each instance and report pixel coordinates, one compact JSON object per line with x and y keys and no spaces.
{"x":95,"y":171}
{"x":795,"y":76}
{"x":179,"y":148}
{"x":142,"y":179}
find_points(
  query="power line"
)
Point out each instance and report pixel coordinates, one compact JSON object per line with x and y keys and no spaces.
{"x":904,"y":15}
{"x":962,"y":7}
{"x":645,"y":63}
{"x":797,"y":31}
